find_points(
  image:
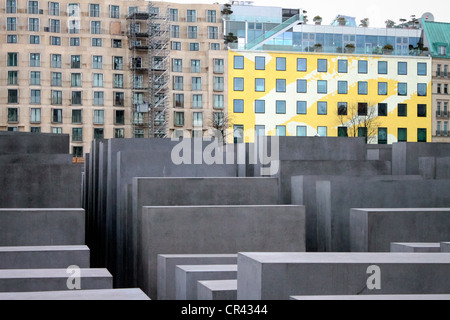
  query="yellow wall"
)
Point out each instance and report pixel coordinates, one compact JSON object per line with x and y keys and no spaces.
{"x":312,"y":120}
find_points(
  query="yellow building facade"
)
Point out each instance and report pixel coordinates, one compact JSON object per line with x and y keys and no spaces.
{"x":310,"y":94}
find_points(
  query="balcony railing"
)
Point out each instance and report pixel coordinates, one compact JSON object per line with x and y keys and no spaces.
{"x":442,"y":114}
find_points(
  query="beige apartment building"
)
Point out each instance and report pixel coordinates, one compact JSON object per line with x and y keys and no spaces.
{"x":73,"y":67}
{"x":441,"y":99}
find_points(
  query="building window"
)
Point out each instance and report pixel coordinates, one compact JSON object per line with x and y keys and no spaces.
{"x":402,"y":134}
{"x":119,"y":133}
{"x":77,"y":116}
{"x":33,"y":24}
{"x":176,"y":45}
{"x":342,"y":132}
{"x":322,"y":86}
{"x":11,"y":24}
{"x":260,"y":130}
{"x":119,"y":117}
{"x":342,"y":87}
{"x":362,"y":87}
{"x":238,"y":133}
{"x":421,"y":69}
{"x":13,"y":115}
{"x":98,"y":133}
{"x":422,"y":89}
{"x":445,"y":88}
{"x":179,"y":119}
{"x":281,"y":64}
{"x":218,"y":119}
{"x":238,"y":106}
{"x":57,"y":130}
{"x":73,"y":10}
{"x":177,"y":65}
{"x":95,"y":27}
{"x":211,"y":16}
{"x":56,"y":97}
{"x":35,"y":60}
{"x":173,"y":14}
{"x":96,"y":42}
{"x":116,"y":43}
{"x":301,"y":131}
{"x":11,"y":38}
{"x":362,"y":108}
{"x":117,"y":63}
{"x":382,"y":88}
{"x":302,"y":86}
{"x":118,"y":80}
{"x":238,"y":84}
{"x":191,"y":16}
{"x":114,"y":12}
{"x":421,"y":110}
{"x":77,"y":134}
{"x":322,"y":108}
{"x":342,"y":108}
{"x":322,"y":131}
{"x":35,"y":78}
{"x":402,"y":89}
{"x":238,"y":62}
{"x":74,"y":26}
{"x":55,"y":26}
{"x":97,"y":62}
{"x":197,"y":101}
{"x":382,"y":136}
{"x":218,"y":65}
{"x":35,"y":129}
{"x":195,"y":66}
{"x":197,"y":119}
{"x":214,"y":46}
{"x":35,"y":115}
{"x":56,"y":61}
{"x":12,"y":78}
{"x":322,"y":65}
{"x":382,"y":67}
{"x":260,"y":106}
{"x":382,"y":109}
{"x":74,"y":42}
{"x":94,"y":10}
{"x":281,"y":131}
{"x":178,"y":101}
{"x":301,"y":107}
{"x":75,"y":62}
{"x":402,"y":110}
{"x":53,"y":8}
{"x":99,"y":117}
{"x":280,"y":107}
{"x":196,"y":84}
{"x":75,"y":80}
{"x":177,"y":83}
{"x":260,"y":85}
{"x":13,"y":96}
{"x":342,"y":66}
{"x":12,"y":59}
{"x":55,"y":41}
{"x":57,"y":116}
{"x":402,"y":68}
{"x":363,"y":67}
{"x":175,"y":31}
{"x":192,"y":32}
{"x":213,"y":33}
{"x":218,"y":101}
{"x":35,"y":40}
{"x":119,"y":99}
{"x":98,"y":80}
{"x":421,"y":135}
{"x":11,"y":6}
{"x":194,"y":46}
{"x":302,"y":64}
{"x":98,"y":98}
{"x":219,"y":84}
{"x":76,"y":98}
{"x":260,"y":63}
{"x":281,"y":85}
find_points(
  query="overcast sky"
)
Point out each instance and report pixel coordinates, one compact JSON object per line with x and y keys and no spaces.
{"x":377,"y":11}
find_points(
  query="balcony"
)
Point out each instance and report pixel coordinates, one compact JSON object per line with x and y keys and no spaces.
{"x":442,"y":114}
{"x":442,"y":133}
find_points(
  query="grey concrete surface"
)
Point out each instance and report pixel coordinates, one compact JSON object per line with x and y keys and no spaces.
{"x":415,"y":247}
{"x":373,"y":230}
{"x":215,"y":230}
{"x":101,"y":294}
{"x":217,"y":290}
{"x":277,"y":276}
{"x":187,"y":278}
{"x":26,"y":142}
{"x":445,"y":246}
{"x":167,"y":263}
{"x":383,"y":297}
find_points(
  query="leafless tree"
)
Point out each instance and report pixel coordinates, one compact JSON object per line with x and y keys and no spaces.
{"x":220,"y":125}
{"x":360,"y":119}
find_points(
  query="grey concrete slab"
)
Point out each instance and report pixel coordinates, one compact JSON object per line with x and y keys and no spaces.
{"x":427,"y":167}
{"x":379,"y":152}
{"x":415,"y":247}
{"x":217,"y":290}
{"x":405,"y":155}
{"x":383,"y":297}
{"x":443,"y":168}
{"x":303,"y":192}
{"x":277,"y":276}
{"x":39,"y":158}
{"x":167,"y":263}
{"x":26,"y":142}
{"x":445,"y":247}
{"x":214,"y":230}
{"x":40,"y":185}
{"x":26,"y":280}
{"x":292,"y":168}
{"x":43,"y":257}
{"x":187,"y":277}
{"x":42,"y":227}
{"x":192,"y":191}
{"x":373,"y":230}
{"x":335,"y":199}
{"x":101,"y":294}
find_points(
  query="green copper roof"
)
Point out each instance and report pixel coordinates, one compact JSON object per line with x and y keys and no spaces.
{"x":438,"y":35}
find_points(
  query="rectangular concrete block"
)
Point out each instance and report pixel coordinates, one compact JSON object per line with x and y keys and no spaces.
{"x":167,"y":264}
{"x":187,"y":278}
{"x":215,"y":230}
{"x":42,"y":227}
{"x":25,"y":280}
{"x":44,"y":257}
{"x":373,"y":230}
{"x":415,"y":247}
{"x":277,"y":276}
{"x":26,"y":142}
{"x":383,"y":297}
{"x":335,"y":198}
{"x":445,"y":247}
{"x":217,"y":290}
{"x":101,"y":294}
